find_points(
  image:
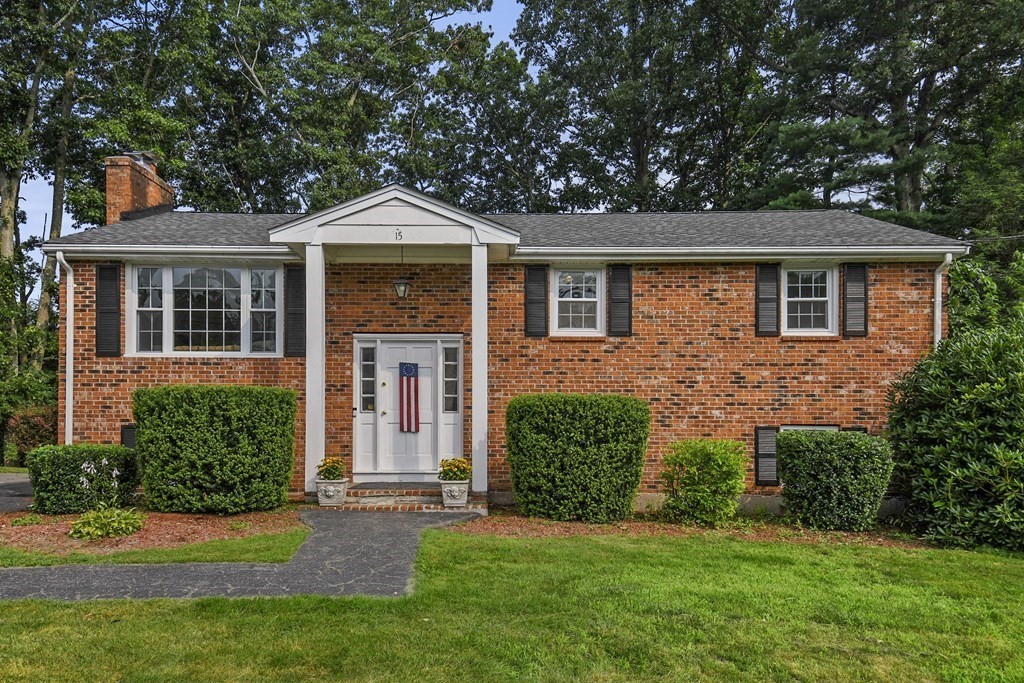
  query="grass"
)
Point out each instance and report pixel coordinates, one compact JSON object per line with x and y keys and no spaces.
{"x":13,"y":470}
{"x":611,"y":608}
{"x":260,"y":548}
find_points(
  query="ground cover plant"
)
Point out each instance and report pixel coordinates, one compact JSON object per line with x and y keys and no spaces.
{"x":107,"y":522}
{"x":575,"y":456}
{"x":618,"y":607}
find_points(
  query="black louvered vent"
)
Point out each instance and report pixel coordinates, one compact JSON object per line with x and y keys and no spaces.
{"x":128,"y":436}
{"x":620,"y":300}
{"x":536,"y":301}
{"x":766,"y":308}
{"x":765,"y":464}
{"x":295,"y":311}
{"x":855,"y":300}
{"x":108,"y":309}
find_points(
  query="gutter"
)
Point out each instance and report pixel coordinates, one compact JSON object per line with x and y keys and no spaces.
{"x":937,"y":299}
{"x":530,"y":253}
{"x":69,"y":350}
{"x":183,"y":249}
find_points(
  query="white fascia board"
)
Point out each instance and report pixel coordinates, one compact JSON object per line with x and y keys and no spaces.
{"x":275,"y":252}
{"x":734,"y":254}
{"x":304,"y":229}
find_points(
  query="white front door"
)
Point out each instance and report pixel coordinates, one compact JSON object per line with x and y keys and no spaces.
{"x":383,"y":450}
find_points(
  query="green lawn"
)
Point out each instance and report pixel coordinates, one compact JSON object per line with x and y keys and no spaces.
{"x":599,"y":608}
{"x":13,"y":470}
{"x":261,"y":548}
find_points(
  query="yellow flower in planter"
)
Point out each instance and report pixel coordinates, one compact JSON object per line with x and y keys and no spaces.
{"x":331,"y":469}
{"x":455,"y":469}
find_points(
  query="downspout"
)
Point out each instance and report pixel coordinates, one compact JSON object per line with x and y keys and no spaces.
{"x":69,"y":350}
{"x":937,"y":312}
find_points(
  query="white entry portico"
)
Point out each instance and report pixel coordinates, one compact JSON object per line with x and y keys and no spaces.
{"x":387,"y":226}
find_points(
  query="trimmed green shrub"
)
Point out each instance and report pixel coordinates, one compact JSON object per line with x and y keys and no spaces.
{"x":67,"y":479}
{"x":703,"y":480}
{"x":576,"y":457}
{"x":31,"y":427}
{"x":833,"y":480}
{"x":223,"y":449}
{"x":106,"y":522}
{"x":957,"y":427}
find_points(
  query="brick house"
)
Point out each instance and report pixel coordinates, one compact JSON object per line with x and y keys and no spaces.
{"x":730,"y":324}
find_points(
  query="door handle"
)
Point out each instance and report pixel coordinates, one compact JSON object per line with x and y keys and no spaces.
{"x":383,"y":412}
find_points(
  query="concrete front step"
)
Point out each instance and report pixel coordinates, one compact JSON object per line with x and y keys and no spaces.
{"x":388,"y":495}
{"x":479,"y":508}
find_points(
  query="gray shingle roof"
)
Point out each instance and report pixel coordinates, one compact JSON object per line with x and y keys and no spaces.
{"x":713,"y":229}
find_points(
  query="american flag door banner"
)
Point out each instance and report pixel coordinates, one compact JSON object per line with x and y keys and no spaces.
{"x":408,"y":397}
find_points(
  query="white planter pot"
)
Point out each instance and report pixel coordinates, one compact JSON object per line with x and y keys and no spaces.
{"x":331,"y":491}
{"x":455,"y":493}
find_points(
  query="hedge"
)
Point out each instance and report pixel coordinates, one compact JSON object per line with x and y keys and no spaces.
{"x":31,"y":427}
{"x":69,"y":479}
{"x":703,"y":480}
{"x":833,"y":480}
{"x":577,"y":457}
{"x":957,"y":427}
{"x":223,"y":449}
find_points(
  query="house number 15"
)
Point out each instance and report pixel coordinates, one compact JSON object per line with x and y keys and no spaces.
{"x":398,"y":234}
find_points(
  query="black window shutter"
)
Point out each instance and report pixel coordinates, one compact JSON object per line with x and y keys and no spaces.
{"x":765,"y":464}
{"x":766,"y":307}
{"x":536,"y":301}
{"x":108,"y":309}
{"x":855,"y":300}
{"x":128,"y":436}
{"x":620,"y":300}
{"x":295,"y":311}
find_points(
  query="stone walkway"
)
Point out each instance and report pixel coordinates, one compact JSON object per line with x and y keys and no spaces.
{"x":348,"y":553}
{"x":15,"y":492}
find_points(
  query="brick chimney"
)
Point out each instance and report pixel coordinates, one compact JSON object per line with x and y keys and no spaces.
{"x":133,"y":187}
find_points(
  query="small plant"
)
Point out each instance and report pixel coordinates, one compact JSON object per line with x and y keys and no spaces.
{"x":455,"y":469}
{"x":107,"y":522}
{"x":239,"y":525}
{"x":30,"y":519}
{"x":703,"y":480}
{"x":331,"y":469}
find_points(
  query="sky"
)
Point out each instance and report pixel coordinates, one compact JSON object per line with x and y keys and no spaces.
{"x":37,"y":194}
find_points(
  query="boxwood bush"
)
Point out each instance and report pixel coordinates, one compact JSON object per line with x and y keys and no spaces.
{"x":577,"y":457}
{"x":833,"y":480}
{"x":703,"y":480}
{"x":223,"y":449}
{"x":957,"y":426}
{"x":67,"y":479}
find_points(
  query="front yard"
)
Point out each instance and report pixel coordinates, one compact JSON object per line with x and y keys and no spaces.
{"x":608,"y":607}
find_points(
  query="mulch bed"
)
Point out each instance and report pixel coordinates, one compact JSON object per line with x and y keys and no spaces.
{"x":160,"y":530}
{"x":509,"y":523}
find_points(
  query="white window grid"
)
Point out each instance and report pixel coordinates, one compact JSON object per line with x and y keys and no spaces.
{"x":578,"y":301}
{"x":806,"y":290}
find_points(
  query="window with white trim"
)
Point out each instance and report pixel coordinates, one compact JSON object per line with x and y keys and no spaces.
{"x":190,"y":310}
{"x":809,"y":298}
{"x":578,"y":301}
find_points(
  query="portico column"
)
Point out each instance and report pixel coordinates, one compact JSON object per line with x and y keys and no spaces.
{"x":479,"y":339}
{"x":316,"y":356}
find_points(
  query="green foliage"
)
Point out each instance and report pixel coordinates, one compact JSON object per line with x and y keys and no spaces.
{"x":833,"y":480}
{"x":30,"y":519}
{"x":106,"y":522}
{"x":455,"y":469}
{"x":223,"y":449}
{"x":80,"y":477}
{"x":32,"y":427}
{"x":331,"y":469}
{"x":957,"y":427}
{"x":577,"y":457}
{"x":11,"y":456}
{"x":703,"y":480}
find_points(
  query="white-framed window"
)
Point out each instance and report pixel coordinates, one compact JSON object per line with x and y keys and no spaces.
{"x":809,"y":428}
{"x":809,"y":297}
{"x":207,"y":310}
{"x":577,"y":301}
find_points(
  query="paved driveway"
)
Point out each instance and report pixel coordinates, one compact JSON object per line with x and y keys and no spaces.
{"x":348,"y":553}
{"x":15,"y":492}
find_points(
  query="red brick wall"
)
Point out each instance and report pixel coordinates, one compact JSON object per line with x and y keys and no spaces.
{"x":103,"y":386}
{"x":694,"y":357}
